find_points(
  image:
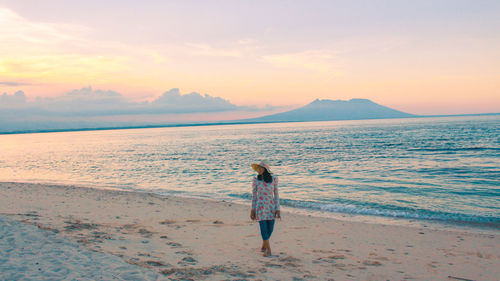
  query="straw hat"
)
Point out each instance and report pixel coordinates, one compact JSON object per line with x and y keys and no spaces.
{"x":263,"y":164}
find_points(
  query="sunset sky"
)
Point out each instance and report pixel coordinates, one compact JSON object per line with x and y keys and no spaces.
{"x":421,"y":57}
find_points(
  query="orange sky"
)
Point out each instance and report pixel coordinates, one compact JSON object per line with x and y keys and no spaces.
{"x":421,"y":59}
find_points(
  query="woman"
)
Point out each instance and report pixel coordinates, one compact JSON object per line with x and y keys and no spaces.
{"x":265,"y":203}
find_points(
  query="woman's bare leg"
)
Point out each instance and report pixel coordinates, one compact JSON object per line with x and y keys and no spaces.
{"x":267,"y":246}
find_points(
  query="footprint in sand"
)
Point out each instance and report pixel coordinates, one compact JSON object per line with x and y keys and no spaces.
{"x":174,"y":244}
{"x":73,"y":225}
{"x":155,"y":263}
{"x":184,"y":253}
{"x":167,"y":222}
{"x":192,"y":272}
{"x":145,"y":233}
{"x":372,"y":263}
{"x":275,"y":265}
{"x":188,"y":261}
{"x":289,"y":261}
{"x":323,"y":251}
{"x":433,"y":264}
{"x":330,"y":259}
{"x":127,"y":228}
{"x":377,"y":257}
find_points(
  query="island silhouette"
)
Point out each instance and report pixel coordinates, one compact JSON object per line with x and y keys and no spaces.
{"x":330,"y":110}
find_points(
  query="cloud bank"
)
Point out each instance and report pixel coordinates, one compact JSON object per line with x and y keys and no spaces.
{"x":89,"y":102}
{"x":89,"y":108}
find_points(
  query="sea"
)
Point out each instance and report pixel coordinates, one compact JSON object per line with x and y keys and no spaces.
{"x":443,"y":169}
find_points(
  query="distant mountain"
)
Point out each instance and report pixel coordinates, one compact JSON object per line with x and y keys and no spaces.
{"x":328,"y":110}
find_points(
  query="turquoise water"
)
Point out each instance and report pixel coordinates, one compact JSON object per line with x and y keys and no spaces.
{"x":445,"y":169}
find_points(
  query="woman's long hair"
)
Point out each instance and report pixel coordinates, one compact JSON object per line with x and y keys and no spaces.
{"x":266,"y":176}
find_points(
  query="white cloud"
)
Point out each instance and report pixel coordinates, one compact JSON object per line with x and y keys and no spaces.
{"x":21,"y":36}
{"x":13,"y":83}
{"x":192,"y":102}
{"x":89,"y":102}
{"x":16,"y":100}
{"x":89,"y":108}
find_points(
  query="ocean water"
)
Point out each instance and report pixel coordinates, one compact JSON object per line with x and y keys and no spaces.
{"x":442,"y":169}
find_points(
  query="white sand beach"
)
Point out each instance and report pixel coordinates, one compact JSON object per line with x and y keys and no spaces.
{"x":70,"y":232}
{"x":29,"y":253}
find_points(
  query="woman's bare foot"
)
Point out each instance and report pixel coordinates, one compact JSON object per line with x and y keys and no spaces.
{"x":267,"y":252}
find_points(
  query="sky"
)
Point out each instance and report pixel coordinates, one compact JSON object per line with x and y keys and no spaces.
{"x":420,"y":57}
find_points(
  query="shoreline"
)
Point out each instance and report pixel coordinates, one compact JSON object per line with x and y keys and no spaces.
{"x":348,"y":217}
{"x":206,"y":239}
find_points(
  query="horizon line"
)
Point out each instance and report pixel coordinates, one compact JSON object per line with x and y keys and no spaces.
{"x":222,"y":123}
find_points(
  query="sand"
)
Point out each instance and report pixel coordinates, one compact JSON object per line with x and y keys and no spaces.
{"x":153,"y":237}
{"x":28,"y":253}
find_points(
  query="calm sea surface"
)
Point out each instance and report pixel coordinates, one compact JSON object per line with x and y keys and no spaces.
{"x":445,"y":169}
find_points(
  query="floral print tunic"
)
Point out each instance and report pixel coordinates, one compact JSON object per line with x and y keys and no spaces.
{"x":265,"y":199}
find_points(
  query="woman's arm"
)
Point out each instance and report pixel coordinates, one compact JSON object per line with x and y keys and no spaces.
{"x":276,"y":195}
{"x":254,"y":199}
{"x":254,"y":193}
